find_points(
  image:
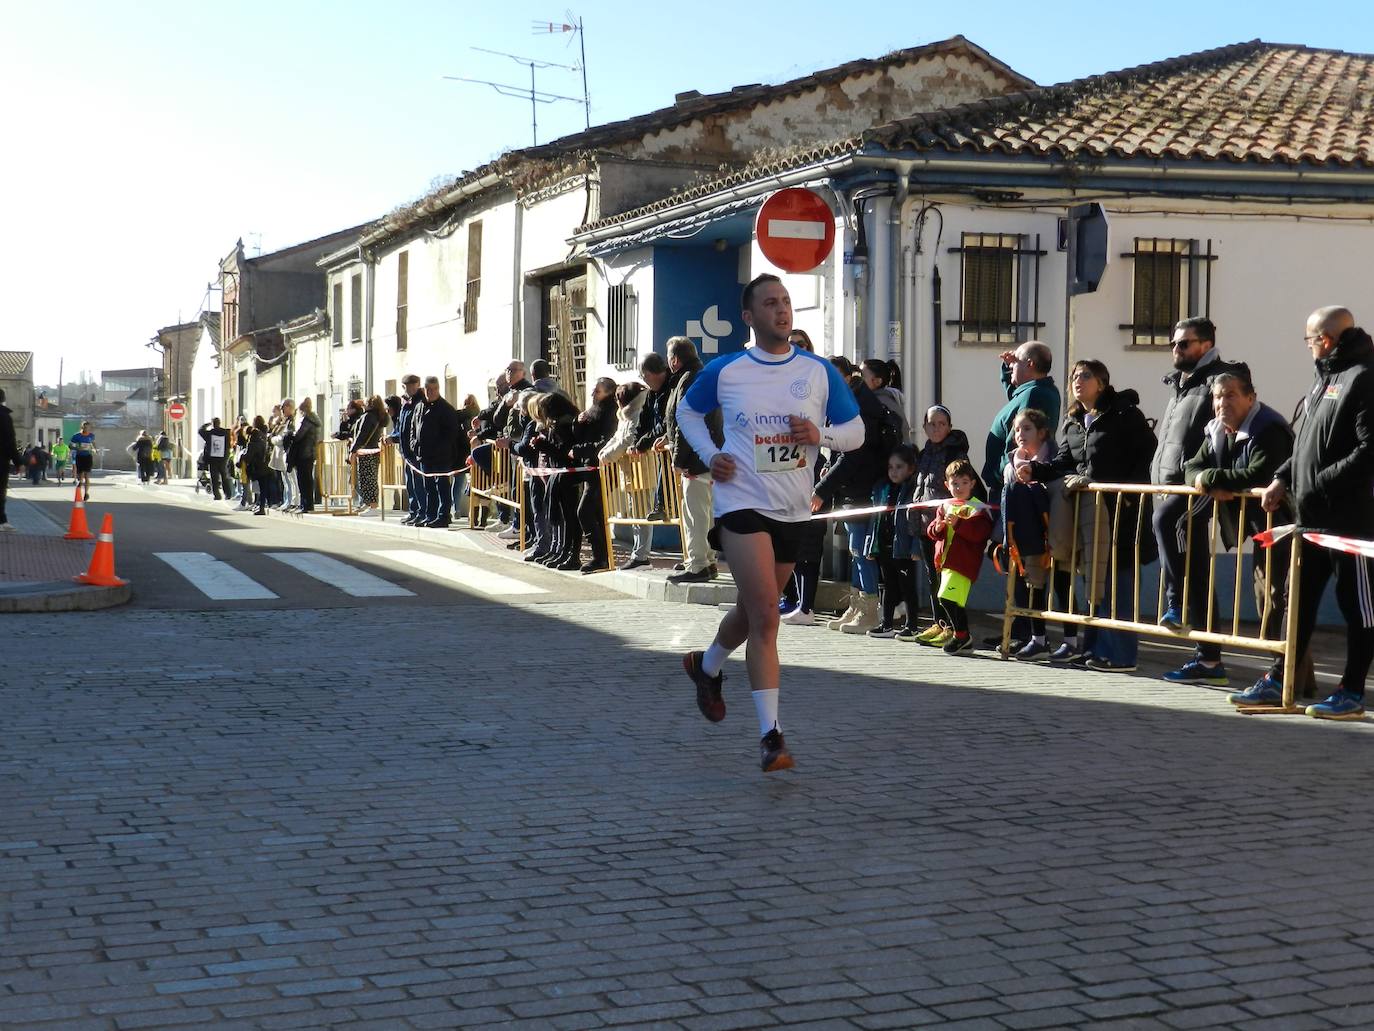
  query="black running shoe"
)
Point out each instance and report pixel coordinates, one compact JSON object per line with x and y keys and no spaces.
{"x":709,"y":699}
{"x":773,"y":753}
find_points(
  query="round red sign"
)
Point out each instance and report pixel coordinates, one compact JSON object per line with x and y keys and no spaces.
{"x":795,"y":229}
{"x":176,"y":411}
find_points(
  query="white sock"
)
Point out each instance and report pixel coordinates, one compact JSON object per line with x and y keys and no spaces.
{"x":1037,"y":638}
{"x":766,"y":705}
{"x":714,"y":658}
{"x":1072,"y":642}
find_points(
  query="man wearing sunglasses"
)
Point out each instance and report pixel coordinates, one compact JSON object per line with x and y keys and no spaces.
{"x":1181,"y":429}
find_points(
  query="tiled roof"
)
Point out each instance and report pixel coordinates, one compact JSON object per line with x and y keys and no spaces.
{"x":14,"y":363}
{"x":692,"y":108}
{"x":761,"y":168}
{"x":579,"y":146}
{"x":1255,"y":102}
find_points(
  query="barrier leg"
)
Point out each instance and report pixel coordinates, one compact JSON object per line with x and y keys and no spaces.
{"x":1007,"y":615}
{"x":1290,"y":650}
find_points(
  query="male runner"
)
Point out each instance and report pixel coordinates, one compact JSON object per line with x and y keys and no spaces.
{"x":774,"y":399}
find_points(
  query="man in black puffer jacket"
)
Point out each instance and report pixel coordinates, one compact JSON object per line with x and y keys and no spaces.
{"x":1331,"y":480}
{"x":1180,"y":432}
{"x":436,"y":432}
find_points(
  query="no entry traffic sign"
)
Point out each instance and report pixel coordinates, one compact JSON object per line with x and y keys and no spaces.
{"x":795,"y":229}
{"x":176,"y":411}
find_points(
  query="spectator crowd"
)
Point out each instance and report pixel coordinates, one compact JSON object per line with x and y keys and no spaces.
{"x":924,"y":513}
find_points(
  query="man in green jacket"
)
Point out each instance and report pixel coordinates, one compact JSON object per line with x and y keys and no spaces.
{"x":1027,"y":381}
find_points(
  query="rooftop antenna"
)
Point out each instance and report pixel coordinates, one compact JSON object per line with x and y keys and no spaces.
{"x":573,"y":26}
{"x":536,"y":96}
{"x":257,"y":243}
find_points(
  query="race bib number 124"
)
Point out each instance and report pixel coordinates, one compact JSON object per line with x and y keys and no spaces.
{"x":777,"y":453}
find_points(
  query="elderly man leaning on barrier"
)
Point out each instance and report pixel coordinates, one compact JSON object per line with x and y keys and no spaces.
{"x":402,"y":437}
{"x":1330,"y":478}
{"x":700,"y":563}
{"x":1197,"y":362}
{"x":1241,"y":449}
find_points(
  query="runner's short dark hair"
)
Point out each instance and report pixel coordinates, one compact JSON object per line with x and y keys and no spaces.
{"x":747,"y":297}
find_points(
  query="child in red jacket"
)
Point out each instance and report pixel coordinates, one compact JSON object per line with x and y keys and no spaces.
{"x":961,"y":529}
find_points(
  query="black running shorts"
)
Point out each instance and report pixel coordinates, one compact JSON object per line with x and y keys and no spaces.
{"x":84,"y":461}
{"x":787,"y":537}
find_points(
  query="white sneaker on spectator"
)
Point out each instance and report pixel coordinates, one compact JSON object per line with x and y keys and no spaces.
{"x":508,"y":534}
{"x":799,"y":617}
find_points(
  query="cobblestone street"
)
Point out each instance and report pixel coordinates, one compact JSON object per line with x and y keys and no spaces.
{"x":440,"y":818}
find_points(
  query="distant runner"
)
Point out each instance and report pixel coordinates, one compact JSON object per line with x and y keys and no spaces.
{"x":774,"y":398}
{"x":83,"y":452}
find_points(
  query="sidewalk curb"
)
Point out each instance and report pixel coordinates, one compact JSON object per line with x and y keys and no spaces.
{"x":55,"y":596}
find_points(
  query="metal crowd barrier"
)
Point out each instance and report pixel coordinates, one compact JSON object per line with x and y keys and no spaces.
{"x":334,"y":477}
{"x":1270,"y":638}
{"x":629,"y":486}
{"x":504,"y":486}
{"x":391,"y":477}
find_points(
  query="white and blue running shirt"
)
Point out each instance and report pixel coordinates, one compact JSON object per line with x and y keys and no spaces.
{"x":757,"y":393}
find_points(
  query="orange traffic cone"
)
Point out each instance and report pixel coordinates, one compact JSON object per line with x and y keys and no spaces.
{"x":77,"y":530}
{"x":101,"y":572}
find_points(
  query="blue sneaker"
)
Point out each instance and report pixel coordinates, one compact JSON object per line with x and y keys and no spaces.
{"x":1173,"y":619}
{"x":1340,"y":706}
{"x":1264,"y":691}
{"x":1032,"y":651}
{"x":1196,"y":673}
{"x":1069,"y":655}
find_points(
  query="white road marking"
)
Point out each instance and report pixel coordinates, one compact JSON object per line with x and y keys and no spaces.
{"x":349,"y":579}
{"x":479,"y":580}
{"x":795,"y":229}
{"x":213,"y":578}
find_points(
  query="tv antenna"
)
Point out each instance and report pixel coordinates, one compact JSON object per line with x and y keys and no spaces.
{"x":573,"y":26}
{"x":536,"y":96}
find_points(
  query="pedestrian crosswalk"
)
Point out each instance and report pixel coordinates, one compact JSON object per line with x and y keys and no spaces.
{"x":216,"y":580}
{"x":349,"y":579}
{"x":460,"y":573}
{"x":220,"y":580}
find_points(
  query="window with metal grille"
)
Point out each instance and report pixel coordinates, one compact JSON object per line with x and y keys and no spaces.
{"x":402,"y":299}
{"x":999,"y":295}
{"x":622,"y":324}
{"x":336,"y":316}
{"x":355,"y":308}
{"x":474,"y":289}
{"x":1167,"y":287}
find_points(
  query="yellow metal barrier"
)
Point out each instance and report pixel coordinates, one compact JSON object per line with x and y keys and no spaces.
{"x":504,"y":486}
{"x":629,"y":485}
{"x":391,"y":477}
{"x":1097,"y":566}
{"x":334,"y":477}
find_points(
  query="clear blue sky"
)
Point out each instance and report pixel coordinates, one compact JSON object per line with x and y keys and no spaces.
{"x":143,"y":139}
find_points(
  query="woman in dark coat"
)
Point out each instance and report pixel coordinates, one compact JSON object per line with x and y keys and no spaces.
{"x":592,"y":431}
{"x":255,"y":465}
{"x":367,"y":436}
{"x":1105,"y":439}
{"x":555,"y":442}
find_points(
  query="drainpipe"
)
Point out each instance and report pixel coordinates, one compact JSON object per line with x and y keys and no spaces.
{"x":879,"y":280}
{"x":369,"y":291}
{"x":903,"y":287}
{"x":517,"y":321}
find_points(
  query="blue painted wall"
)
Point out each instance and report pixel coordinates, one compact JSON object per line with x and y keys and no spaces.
{"x":696,"y":294}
